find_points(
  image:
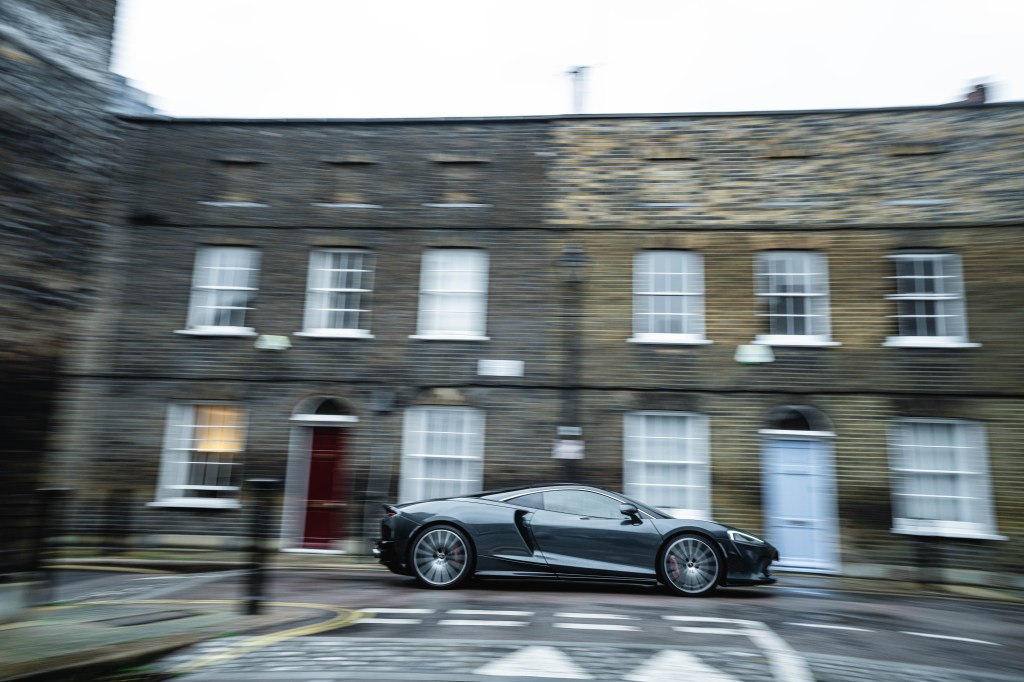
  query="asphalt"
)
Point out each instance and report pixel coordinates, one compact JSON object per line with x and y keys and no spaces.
{"x":90,"y":638}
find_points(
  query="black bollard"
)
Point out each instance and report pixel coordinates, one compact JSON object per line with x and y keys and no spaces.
{"x":50,"y":506}
{"x":259,"y":531}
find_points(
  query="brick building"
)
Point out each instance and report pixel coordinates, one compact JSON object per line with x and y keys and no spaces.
{"x":57,"y":140}
{"x":398,"y":309}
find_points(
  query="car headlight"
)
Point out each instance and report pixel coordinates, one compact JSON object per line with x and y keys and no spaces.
{"x":746,"y":538}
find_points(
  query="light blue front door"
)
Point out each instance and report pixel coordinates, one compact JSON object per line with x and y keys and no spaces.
{"x":800,"y":506}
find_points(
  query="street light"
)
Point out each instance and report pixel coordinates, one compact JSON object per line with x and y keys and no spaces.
{"x":569,"y":444}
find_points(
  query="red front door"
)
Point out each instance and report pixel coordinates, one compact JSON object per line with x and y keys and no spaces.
{"x":325,"y":511}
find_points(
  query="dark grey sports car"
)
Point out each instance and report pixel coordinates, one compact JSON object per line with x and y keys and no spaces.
{"x":566,"y":531}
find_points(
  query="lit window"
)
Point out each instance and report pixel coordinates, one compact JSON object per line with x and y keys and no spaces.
{"x":223,"y":287}
{"x":201,"y":456}
{"x":940,"y":478}
{"x":668,"y":297}
{"x":338,"y":293}
{"x":793,"y":289}
{"x":666,"y":462}
{"x":929,"y":300}
{"x":442,"y":452}
{"x":453,"y":294}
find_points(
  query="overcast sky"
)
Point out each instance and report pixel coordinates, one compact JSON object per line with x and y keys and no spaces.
{"x":412,"y":58}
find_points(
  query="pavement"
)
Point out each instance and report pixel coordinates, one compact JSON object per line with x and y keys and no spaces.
{"x":92,"y":637}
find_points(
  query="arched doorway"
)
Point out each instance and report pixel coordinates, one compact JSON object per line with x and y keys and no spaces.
{"x":798,"y":478}
{"x":318,"y":488}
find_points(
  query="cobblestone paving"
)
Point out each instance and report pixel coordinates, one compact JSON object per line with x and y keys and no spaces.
{"x":318,"y":659}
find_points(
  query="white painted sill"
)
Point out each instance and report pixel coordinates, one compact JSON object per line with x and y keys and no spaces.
{"x":457,"y":205}
{"x":186,"y":503}
{"x":447,"y":337}
{"x":327,"y":204}
{"x":217,"y":331}
{"x":670,"y":339}
{"x":939,"y":533}
{"x":234,"y":204}
{"x":805,"y":341}
{"x":336,"y":334}
{"x":927,"y":342}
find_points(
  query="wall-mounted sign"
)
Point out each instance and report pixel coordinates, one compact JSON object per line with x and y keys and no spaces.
{"x":567,"y":449}
{"x":272,"y":342}
{"x":500,"y":368}
{"x":753,"y":354}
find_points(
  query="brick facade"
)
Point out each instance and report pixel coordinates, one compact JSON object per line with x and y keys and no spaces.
{"x":855,"y":186}
{"x":56,"y":203}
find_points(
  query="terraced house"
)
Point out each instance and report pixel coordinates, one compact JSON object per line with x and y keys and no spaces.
{"x":806,"y":323}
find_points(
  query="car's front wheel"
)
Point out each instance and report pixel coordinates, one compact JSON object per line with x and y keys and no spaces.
{"x":690,"y":566}
{"x":442,"y":557}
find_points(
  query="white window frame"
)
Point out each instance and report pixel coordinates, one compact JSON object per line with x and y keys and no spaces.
{"x":807,"y":271}
{"x":210,"y":291}
{"x":319,"y":292}
{"x":180,"y":456}
{"x":446,"y":436}
{"x":942,"y":292}
{"x":453,"y":282}
{"x":970,"y":476}
{"x":652,"y":290}
{"x":640,"y":465}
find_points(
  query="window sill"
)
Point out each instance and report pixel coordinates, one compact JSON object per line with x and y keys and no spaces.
{"x":186,"y":503}
{"x":218,"y":331}
{"x":447,"y":337}
{"x":940,"y":533}
{"x":783,"y":340}
{"x":457,"y":205}
{"x":674,"y":339}
{"x":335,"y":334}
{"x":234,"y":204}
{"x":327,"y":204}
{"x":927,"y":342}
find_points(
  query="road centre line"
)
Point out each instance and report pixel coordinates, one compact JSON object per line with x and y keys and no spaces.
{"x":484,"y":623}
{"x":950,"y":637}
{"x":597,"y":626}
{"x":709,"y":631}
{"x":596,"y":616}
{"x":831,"y":627}
{"x":393,"y":621}
{"x":480,"y":612}
{"x":398,"y":610}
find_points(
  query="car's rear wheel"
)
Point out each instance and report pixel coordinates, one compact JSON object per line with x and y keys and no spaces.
{"x":690,"y":565}
{"x":442,"y":557}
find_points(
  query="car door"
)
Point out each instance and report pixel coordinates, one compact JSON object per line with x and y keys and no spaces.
{"x":583,"y":533}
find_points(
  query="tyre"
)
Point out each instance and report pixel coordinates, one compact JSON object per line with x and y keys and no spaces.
{"x":442,"y":557}
{"x":690,"y":566}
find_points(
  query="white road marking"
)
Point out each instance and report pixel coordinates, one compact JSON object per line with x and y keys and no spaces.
{"x":485,"y":623}
{"x":949,"y":637}
{"x":671,"y":664}
{"x":708,"y":631}
{"x":393,"y":621}
{"x":786,"y":664}
{"x":597,"y":626}
{"x":535,"y":661}
{"x":831,"y":627}
{"x":477,"y":612}
{"x":399,"y":610}
{"x":596,"y":616}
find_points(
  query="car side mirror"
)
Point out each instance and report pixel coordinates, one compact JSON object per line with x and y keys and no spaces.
{"x":631,"y":511}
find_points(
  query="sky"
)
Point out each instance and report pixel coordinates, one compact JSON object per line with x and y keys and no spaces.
{"x":441,"y":58}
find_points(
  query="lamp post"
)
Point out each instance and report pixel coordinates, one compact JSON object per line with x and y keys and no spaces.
{"x":569,"y":445}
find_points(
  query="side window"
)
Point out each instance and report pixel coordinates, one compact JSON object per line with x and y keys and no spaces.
{"x":533,"y":500}
{"x":581,"y":503}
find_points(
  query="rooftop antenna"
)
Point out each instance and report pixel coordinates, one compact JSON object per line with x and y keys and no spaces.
{"x":578,"y":76}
